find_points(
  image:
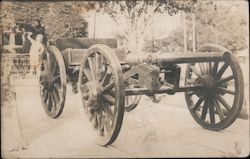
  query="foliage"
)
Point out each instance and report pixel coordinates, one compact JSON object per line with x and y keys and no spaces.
{"x":230,"y":21}
{"x":134,"y":18}
{"x":227,"y":22}
{"x":173,"y":43}
{"x":59,"y":19}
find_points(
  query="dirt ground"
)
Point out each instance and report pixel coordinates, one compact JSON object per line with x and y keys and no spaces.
{"x":164,"y":129}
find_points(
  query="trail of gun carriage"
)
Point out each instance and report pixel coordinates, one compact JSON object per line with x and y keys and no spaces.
{"x":111,"y":74}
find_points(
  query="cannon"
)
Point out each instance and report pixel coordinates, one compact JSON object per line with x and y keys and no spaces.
{"x":111,"y":81}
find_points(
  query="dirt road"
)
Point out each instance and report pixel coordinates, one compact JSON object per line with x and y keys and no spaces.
{"x":165,"y":129}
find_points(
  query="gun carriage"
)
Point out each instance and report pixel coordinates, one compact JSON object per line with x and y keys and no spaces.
{"x":110,"y":81}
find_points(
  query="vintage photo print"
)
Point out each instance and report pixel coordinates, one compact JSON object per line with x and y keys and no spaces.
{"x":124,"y":79}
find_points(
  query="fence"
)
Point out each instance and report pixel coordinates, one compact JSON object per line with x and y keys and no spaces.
{"x":16,"y":65}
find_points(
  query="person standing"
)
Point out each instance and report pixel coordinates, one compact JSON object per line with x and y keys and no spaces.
{"x":36,"y":50}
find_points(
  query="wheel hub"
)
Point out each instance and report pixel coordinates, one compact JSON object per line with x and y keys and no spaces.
{"x":209,"y":84}
{"x":92,"y":94}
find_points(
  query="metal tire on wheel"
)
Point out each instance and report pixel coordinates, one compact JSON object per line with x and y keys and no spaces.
{"x":102,"y":88}
{"x":53,"y":82}
{"x":217,"y":105}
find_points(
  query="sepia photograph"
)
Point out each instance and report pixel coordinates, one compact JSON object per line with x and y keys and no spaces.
{"x":124,"y":78}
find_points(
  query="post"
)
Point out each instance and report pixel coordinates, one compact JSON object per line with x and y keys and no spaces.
{"x":216,"y":36}
{"x":194,"y":36}
{"x":184,"y":32}
{"x":215,"y":24}
{"x":94,"y":22}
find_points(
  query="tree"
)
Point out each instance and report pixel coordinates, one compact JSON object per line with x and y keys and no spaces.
{"x":134,"y":18}
{"x":224,"y":24}
{"x":213,"y":21}
{"x":60,"y":20}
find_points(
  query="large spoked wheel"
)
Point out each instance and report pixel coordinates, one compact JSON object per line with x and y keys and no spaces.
{"x":53,"y":82}
{"x":218,"y":104}
{"x":102,"y":89}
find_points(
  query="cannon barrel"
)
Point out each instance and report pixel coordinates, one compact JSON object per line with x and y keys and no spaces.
{"x":178,"y":57}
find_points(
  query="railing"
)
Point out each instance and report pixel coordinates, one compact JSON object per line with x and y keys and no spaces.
{"x":16,"y":65}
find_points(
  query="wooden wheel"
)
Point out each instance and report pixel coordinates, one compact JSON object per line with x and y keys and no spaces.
{"x":131,"y":102}
{"x":218,"y":104}
{"x":102,"y":89}
{"x":53,"y":82}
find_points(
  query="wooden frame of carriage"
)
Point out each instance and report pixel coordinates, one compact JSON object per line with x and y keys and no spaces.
{"x":111,"y":82}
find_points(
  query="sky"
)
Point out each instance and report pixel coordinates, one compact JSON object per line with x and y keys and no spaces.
{"x":106,"y":28}
{"x":162,"y":24}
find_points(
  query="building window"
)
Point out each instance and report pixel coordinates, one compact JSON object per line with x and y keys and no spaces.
{"x":18,"y":39}
{"x":6,"y":38}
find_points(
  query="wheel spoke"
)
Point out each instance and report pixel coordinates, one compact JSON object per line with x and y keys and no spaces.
{"x":48,"y":60}
{"x":107,"y":125}
{"x":226,"y":90}
{"x":103,"y":76}
{"x":127,"y":100}
{"x":49,"y":102}
{"x":56,"y":96}
{"x":88,"y":74}
{"x":218,"y":108}
{"x":95,"y":120}
{"x":53,"y":71}
{"x":210,"y":68}
{"x":215,"y":68}
{"x":225,"y":80}
{"x":137,"y":99}
{"x":98,"y":65}
{"x":106,"y":79}
{"x":109,"y":99}
{"x":222,"y":70}
{"x":211,"y":112}
{"x":55,"y":78}
{"x":111,"y":92}
{"x":204,"y":110}
{"x":197,"y":104}
{"x":45,"y":65}
{"x":59,"y":91}
{"x":92,"y":68}
{"x":202,"y":68}
{"x":109,"y":112}
{"x":206,"y":68}
{"x":195,"y":71}
{"x":46,"y":95}
{"x":223,"y":102}
{"x":54,"y":102}
{"x":109,"y":86}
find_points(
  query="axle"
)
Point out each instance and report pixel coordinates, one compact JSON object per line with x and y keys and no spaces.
{"x":165,"y":89}
{"x":175,"y":58}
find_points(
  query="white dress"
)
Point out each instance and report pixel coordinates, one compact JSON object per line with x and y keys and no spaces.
{"x":35,"y":50}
